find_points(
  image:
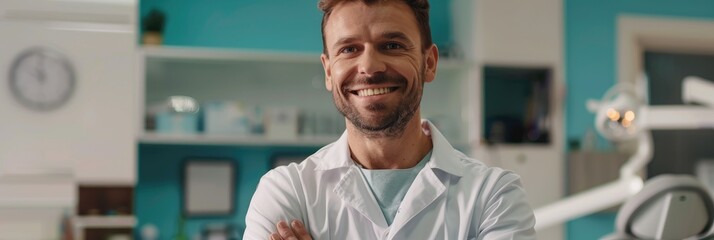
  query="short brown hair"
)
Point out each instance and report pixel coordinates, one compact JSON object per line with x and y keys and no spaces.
{"x":420,"y":8}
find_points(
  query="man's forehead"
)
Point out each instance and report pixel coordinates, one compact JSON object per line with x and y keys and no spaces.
{"x":352,"y":18}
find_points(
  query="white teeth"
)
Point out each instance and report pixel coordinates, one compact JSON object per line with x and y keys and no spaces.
{"x":371,"y":92}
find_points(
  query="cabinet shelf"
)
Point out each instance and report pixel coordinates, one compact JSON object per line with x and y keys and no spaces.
{"x":220,"y":54}
{"x":105,"y":221}
{"x":202,"y":139}
{"x":196,"y":54}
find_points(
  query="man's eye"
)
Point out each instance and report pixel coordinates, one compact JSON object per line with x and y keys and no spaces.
{"x":390,"y":46}
{"x":348,"y":50}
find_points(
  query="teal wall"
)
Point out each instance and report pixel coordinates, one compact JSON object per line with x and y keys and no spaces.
{"x":158,"y":194}
{"x":590,"y":47}
{"x":591,"y":68}
{"x":591,"y":227}
{"x":280,"y":25}
{"x":289,"y":25}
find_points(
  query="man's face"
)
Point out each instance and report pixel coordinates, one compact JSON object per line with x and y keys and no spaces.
{"x":376,"y":68}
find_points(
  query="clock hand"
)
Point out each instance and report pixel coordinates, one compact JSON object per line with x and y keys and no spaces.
{"x":41,"y":76}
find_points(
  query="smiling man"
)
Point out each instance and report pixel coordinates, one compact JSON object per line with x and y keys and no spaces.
{"x":391,"y":175}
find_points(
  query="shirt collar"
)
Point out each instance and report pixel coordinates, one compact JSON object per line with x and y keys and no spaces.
{"x":443,"y":155}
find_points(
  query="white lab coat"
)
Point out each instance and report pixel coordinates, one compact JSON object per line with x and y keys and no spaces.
{"x":453,"y":197}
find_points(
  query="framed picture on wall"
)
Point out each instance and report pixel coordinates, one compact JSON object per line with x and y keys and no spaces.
{"x":209,"y":187}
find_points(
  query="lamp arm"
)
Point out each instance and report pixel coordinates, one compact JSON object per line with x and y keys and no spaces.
{"x":641,"y":158}
{"x":678,"y":117}
{"x":698,"y":90}
{"x":603,"y":196}
{"x":581,"y":204}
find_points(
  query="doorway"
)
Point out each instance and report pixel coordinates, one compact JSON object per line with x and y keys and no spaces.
{"x":677,"y":151}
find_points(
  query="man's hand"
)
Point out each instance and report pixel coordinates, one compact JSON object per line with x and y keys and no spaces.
{"x":285,"y":232}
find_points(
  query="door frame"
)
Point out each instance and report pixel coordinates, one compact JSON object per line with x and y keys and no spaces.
{"x":637,"y":34}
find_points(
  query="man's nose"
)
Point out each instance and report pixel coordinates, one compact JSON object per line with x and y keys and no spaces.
{"x":371,"y":62}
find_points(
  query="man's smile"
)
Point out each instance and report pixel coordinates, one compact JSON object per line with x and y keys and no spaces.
{"x":366,"y":92}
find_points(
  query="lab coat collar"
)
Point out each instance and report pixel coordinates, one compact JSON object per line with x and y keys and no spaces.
{"x":337,"y":155}
{"x":443,"y":155}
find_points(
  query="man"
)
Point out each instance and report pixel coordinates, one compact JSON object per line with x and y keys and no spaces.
{"x":391,"y":175}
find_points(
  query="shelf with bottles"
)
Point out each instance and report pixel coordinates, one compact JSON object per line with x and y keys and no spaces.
{"x":272,"y":80}
{"x":229,"y":122}
{"x":103,"y":211}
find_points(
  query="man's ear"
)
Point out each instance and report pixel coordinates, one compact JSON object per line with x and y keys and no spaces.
{"x":430,"y":62}
{"x":328,"y":71}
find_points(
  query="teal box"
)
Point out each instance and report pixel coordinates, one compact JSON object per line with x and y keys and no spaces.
{"x":177,"y":123}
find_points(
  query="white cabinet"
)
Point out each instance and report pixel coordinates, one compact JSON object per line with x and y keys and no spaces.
{"x":521,"y":34}
{"x":31,"y":205}
{"x":530,"y":162}
{"x":44,"y":155}
{"x":274,"y":79}
{"x":93,"y":134}
{"x":540,"y":169}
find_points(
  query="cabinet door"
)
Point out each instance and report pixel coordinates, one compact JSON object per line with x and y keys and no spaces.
{"x":541,"y":173}
{"x":29,"y":223}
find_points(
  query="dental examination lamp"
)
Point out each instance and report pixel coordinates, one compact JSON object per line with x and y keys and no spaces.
{"x":623,"y":114}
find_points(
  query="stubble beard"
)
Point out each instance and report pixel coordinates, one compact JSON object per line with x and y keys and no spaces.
{"x":389,"y":125}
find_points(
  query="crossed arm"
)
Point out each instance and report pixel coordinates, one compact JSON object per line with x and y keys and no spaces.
{"x":274,"y":201}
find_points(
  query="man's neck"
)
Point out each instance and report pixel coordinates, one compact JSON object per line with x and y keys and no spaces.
{"x":400,"y":152}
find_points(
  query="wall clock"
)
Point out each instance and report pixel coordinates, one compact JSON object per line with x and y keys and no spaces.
{"x":42,"y":79}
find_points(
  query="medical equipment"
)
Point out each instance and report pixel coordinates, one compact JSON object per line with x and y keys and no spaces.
{"x":623,"y":114}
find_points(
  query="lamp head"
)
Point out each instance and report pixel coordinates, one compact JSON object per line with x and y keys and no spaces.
{"x":618,"y":115}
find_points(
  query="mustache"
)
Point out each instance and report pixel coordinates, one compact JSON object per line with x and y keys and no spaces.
{"x":378,"y":78}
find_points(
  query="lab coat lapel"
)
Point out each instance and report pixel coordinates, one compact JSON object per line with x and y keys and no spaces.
{"x":354,"y":191}
{"x":425,"y":189}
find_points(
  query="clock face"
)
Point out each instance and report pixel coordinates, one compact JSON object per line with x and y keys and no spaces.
{"x":42,"y":79}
